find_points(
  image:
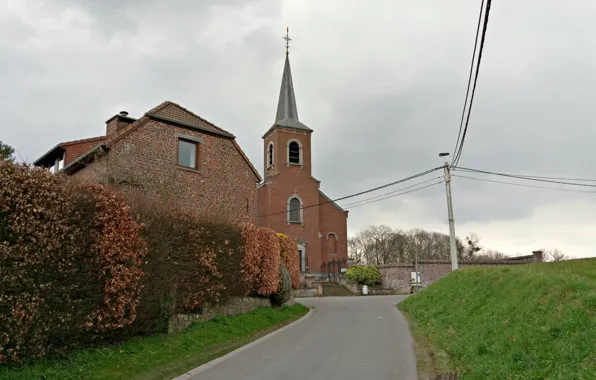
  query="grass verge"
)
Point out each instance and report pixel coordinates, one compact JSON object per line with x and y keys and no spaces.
{"x":533,"y":321}
{"x":432,"y":363}
{"x":161,"y":356}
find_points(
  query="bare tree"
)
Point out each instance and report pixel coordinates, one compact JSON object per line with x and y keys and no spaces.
{"x":555,"y":255}
{"x":473,"y":247}
{"x":490,"y":254}
{"x":380,"y":244}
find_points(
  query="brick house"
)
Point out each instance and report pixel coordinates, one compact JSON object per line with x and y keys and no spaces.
{"x":168,"y":152}
{"x":290,"y":199}
{"x":173,"y":153}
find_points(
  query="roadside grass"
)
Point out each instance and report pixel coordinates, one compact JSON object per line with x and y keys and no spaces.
{"x":534,"y":321}
{"x":431,"y":361}
{"x":160,"y":356}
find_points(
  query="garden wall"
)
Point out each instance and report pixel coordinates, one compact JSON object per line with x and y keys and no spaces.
{"x":397,"y":276}
{"x":236,"y":305}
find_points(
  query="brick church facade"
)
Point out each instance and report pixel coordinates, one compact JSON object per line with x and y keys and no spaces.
{"x":171,"y":153}
{"x":289,"y":199}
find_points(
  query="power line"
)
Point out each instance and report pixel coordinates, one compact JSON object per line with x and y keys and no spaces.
{"x":461,"y":145}
{"x":360,"y":193}
{"x":525,"y":177}
{"x":523,"y":185}
{"x":393,"y":192}
{"x":463,"y":112}
{"x":364,"y":202}
{"x":560,"y":178}
{"x":396,"y":195}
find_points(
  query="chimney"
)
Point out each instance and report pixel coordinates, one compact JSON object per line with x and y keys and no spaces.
{"x":117,"y":122}
{"x":537,"y":256}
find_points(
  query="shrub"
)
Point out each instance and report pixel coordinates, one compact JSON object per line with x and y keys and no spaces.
{"x":192,"y":263}
{"x":364,"y":275}
{"x":261,"y":259}
{"x":290,"y":258}
{"x":70,"y":259}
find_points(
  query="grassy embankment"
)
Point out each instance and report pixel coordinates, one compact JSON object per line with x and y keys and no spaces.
{"x":534,"y":321}
{"x":161,"y":356}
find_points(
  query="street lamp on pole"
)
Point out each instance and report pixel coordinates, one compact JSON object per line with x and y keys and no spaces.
{"x":447,"y":169}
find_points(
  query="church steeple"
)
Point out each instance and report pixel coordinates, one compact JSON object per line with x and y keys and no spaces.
{"x":287,"y":112}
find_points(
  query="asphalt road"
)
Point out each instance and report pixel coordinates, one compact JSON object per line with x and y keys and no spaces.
{"x":345,"y":338}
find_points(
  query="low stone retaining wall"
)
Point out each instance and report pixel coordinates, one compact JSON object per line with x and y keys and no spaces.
{"x":179,"y":322}
{"x":306,"y":292}
{"x":372,"y":290}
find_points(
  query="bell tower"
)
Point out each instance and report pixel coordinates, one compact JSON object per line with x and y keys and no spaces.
{"x":289,"y":199}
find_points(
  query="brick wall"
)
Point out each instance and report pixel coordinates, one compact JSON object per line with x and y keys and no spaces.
{"x":145,"y":160}
{"x":179,"y":322}
{"x":397,"y":276}
{"x":282,"y":180}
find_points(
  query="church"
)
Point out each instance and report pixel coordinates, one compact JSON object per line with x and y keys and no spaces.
{"x":289,"y":199}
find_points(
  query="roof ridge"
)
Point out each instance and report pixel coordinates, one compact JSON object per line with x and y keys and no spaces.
{"x":90,"y":139}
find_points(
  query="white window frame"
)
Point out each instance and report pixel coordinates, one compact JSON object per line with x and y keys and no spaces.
{"x":303,"y":263}
{"x":301,"y":221}
{"x":300,"y":152}
{"x":272,"y":147}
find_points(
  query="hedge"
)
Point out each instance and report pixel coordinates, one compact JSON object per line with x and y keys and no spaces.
{"x":291,"y":258}
{"x":364,"y":275}
{"x":79,"y":266}
{"x":70,"y":263}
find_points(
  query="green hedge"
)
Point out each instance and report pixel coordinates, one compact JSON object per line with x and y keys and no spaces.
{"x":364,"y":275}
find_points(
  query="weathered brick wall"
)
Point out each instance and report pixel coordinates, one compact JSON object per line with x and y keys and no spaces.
{"x":397,"y":276}
{"x":145,"y":160}
{"x":332,"y":220}
{"x":179,"y":322}
{"x":94,"y":172}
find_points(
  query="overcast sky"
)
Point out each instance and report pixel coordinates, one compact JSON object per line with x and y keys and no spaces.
{"x":381,"y":83}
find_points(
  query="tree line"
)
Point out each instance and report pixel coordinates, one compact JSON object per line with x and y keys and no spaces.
{"x":381,"y":244}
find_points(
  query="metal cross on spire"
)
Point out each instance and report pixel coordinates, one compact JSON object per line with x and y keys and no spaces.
{"x":288,"y":39}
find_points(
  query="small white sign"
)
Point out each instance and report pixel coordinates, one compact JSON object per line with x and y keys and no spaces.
{"x":343,"y":270}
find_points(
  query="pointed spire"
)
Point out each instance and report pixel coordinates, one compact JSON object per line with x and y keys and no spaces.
{"x":286,"y":106}
{"x":287,"y":112}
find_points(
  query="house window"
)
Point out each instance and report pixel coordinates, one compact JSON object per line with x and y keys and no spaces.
{"x":295,"y":210}
{"x":270,"y":155}
{"x":188,"y":153}
{"x":294,"y":152}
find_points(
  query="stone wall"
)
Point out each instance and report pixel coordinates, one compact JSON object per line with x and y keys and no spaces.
{"x":377,"y":290}
{"x":397,"y":276}
{"x":179,"y":322}
{"x":306,"y":292}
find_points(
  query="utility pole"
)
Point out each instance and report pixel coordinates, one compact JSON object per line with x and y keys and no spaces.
{"x":450,"y":213}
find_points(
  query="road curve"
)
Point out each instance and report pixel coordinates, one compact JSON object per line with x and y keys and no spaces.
{"x":345,"y":338}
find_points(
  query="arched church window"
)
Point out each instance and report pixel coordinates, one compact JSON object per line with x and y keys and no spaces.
{"x":294,"y":152}
{"x":270,"y":155}
{"x":294,"y":210}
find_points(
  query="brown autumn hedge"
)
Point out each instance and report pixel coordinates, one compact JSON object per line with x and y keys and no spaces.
{"x":192,"y":263}
{"x":291,"y":258}
{"x":77,"y":269}
{"x":70,"y":263}
{"x":261,"y":259}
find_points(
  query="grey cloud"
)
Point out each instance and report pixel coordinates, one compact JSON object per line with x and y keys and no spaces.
{"x":384,"y":97}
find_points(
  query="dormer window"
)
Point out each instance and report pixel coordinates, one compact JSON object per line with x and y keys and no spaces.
{"x":270,"y":155}
{"x":294,"y":153}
